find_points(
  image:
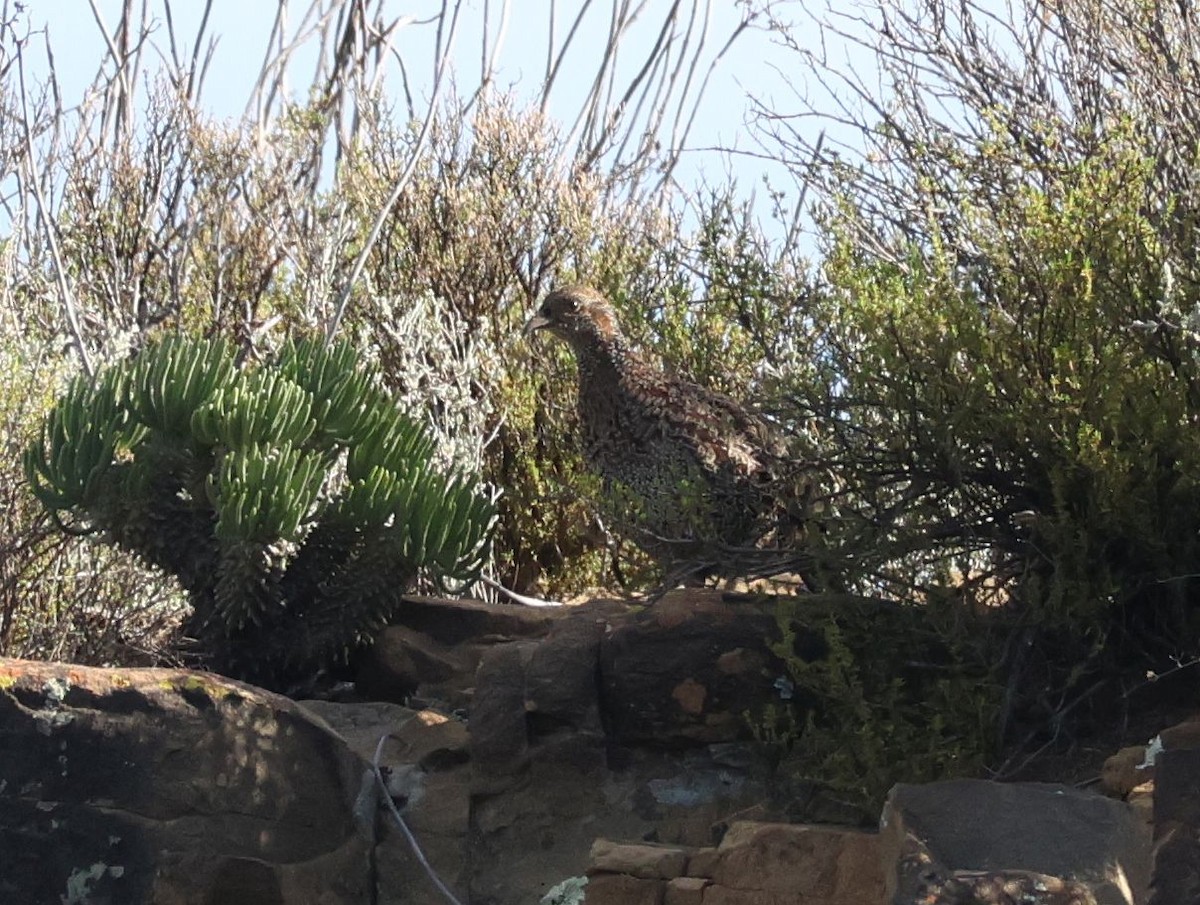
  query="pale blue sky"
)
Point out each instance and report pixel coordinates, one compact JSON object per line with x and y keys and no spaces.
{"x":755,"y":63}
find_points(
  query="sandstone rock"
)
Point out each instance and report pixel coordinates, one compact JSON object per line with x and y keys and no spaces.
{"x":702,"y":862}
{"x":453,"y":622}
{"x":938,"y":885}
{"x":1177,"y":816}
{"x":618,"y":889}
{"x":685,"y":891}
{"x":796,"y":864}
{"x":498,"y":730}
{"x":1141,"y":801}
{"x":439,"y":817}
{"x":681,"y":673}
{"x":645,"y":861}
{"x":159,"y":785}
{"x":719,"y":895}
{"x":508,"y":809}
{"x":424,"y":740}
{"x":561,"y":681}
{"x":434,"y":647}
{"x":687,"y":670}
{"x":1124,"y":770}
{"x":426,"y":761}
{"x":1182,"y":736}
{"x":546,"y":780}
{"x":944,"y":842}
{"x":403,"y":661}
{"x":540,"y":826}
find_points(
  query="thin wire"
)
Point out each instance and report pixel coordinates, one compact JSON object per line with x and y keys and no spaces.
{"x":412,"y":840}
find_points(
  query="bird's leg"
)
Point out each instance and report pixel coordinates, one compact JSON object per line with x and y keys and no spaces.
{"x":613,"y":546}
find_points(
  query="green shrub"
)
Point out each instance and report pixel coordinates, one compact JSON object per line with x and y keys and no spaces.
{"x":881,"y":693}
{"x":1014,"y":430}
{"x":60,"y":599}
{"x":292,"y":500}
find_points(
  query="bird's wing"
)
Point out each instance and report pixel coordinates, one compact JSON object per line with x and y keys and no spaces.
{"x":722,"y":433}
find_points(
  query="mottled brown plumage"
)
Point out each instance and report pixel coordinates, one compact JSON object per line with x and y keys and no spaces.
{"x":687,"y":471}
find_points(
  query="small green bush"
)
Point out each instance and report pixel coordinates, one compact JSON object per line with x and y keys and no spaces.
{"x":1014,"y":427}
{"x":880,"y":694}
{"x":60,"y":599}
{"x":293,"y":500}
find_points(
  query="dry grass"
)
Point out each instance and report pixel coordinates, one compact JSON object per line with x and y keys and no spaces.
{"x":424,"y":231}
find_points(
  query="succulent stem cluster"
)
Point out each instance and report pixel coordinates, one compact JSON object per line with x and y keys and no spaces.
{"x":293,"y":500}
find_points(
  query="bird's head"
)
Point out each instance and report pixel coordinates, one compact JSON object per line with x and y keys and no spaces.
{"x":577,"y":314}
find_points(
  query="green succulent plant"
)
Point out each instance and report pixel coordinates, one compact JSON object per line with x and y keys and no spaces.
{"x":293,"y":500}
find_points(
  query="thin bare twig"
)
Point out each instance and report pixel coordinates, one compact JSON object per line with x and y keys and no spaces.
{"x":67,"y":297}
{"x":443,"y":63}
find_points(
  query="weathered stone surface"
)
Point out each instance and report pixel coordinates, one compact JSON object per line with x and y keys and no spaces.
{"x":1128,"y":775}
{"x":618,"y":889}
{"x":505,"y":811}
{"x":423,"y":738}
{"x":797,"y":864}
{"x":944,"y":842}
{"x":542,"y":781}
{"x":562,"y":679}
{"x":434,"y":647}
{"x":1141,"y":802}
{"x":453,"y":622}
{"x":498,"y":726}
{"x":158,"y":785}
{"x":547,"y":781}
{"x":426,"y":763}
{"x":540,"y":826}
{"x":1185,"y":735}
{"x":1124,"y":771}
{"x":1177,"y":816}
{"x":720,"y":895}
{"x":685,"y":891}
{"x":688,"y":669}
{"x":645,"y":861}
{"x":439,"y":816}
{"x":403,"y":662}
{"x":926,"y":881}
{"x":702,"y":862}
{"x":681,"y":673}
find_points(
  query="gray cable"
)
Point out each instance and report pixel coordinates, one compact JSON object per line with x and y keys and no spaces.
{"x":412,"y":840}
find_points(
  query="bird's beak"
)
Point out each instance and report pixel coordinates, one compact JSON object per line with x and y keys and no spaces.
{"x":537,"y":322}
